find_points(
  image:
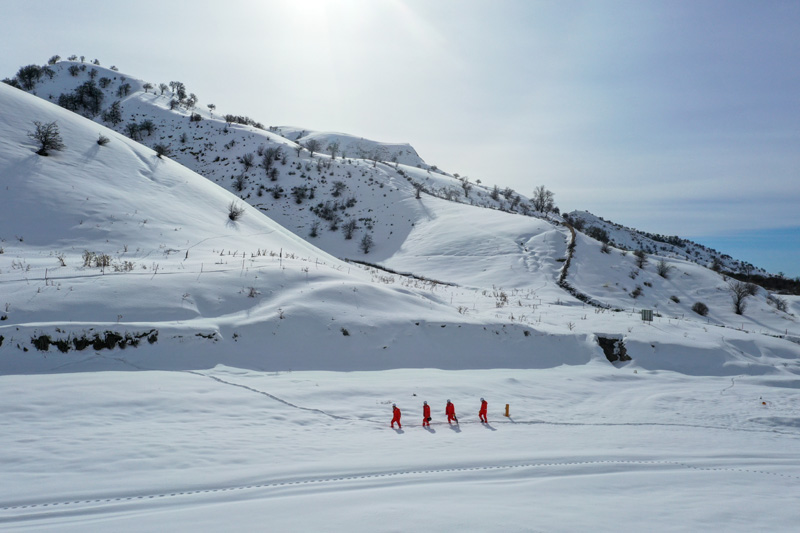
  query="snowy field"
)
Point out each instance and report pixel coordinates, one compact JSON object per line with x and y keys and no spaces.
{"x":587,"y":448}
{"x":698,"y":432}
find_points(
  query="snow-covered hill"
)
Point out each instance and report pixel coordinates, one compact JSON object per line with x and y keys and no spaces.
{"x":316,"y":196}
{"x":483,"y":269}
{"x":113,"y":238}
{"x":626,"y":238}
{"x":112,"y":258}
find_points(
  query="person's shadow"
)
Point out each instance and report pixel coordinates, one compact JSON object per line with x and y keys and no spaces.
{"x":487,"y":426}
{"x":430,"y":429}
{"x":399,"y":431}
{"x":455,"y":428}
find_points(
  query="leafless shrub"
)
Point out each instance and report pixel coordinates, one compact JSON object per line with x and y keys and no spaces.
{"x":641,"y":258}
{"x":47,"y":136}
{"x":779,"y":303}
{"x":663,"y":268}
{"x":235,"y":211}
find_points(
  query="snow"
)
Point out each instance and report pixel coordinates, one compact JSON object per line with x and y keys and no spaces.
{"x":586,"y":448}
{"x":266,"y":391}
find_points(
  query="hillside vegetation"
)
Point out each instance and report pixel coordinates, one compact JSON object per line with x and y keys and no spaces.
{"x":113,"y":236}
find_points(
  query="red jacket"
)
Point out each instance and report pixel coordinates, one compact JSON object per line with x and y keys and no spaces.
{"x":426,"y":411}
{"x":450,"y":409}
{"x":396,"y":414}
{"x":484,"y":406}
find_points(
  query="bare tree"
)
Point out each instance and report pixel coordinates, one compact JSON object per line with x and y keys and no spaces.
{"x":132,"y":130}
{"x":333,"y":148}
{"x":466,"y":185}
{"x":313,"y":145}
{"x":162,"y":150}
{"x":47,"y":136}
{"x":663,"y":268}
{"x":113,"y":114}
{"x":239,"y":182}
{"x":191,"y":102}
{"x":211,"y":108}
{"x":641,"y":258}
{"x":28,"y":76}
{"x":247,"y":161}
{"x":147,"y":87}
{"x":542,"y":200}
{"x":366,"y":243}
{"x":179,"y":89}
{"x":268,"y":157}
{"x":740,"y":291}
{"x":348,"y":228}
{"x":123,"y":90}
{"x":147,"y":126}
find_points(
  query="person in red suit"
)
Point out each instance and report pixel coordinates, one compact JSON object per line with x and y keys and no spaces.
{"x":396,"y":417}
{"x":450,"y":411}
{"x":482,"y":412}
{"x":426,"y":414}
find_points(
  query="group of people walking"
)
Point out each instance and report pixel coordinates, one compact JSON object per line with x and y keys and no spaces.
{"x":449,"y":410}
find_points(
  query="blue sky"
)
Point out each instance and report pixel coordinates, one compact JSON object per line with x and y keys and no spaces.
{"x":674,"y":117}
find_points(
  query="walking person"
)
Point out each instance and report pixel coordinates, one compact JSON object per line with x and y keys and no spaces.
{"x":426,"y":414}
{"x":396,"y":417}
{"x":482,"y":412}
{"x":450,"y":411}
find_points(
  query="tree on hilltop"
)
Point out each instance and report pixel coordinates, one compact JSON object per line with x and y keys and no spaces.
{"x":28,"y":76}
{"x":542,"y":200}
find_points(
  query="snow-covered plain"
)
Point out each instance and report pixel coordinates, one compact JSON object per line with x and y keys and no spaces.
{"x":587,"y":448}
{"x":264,"y":400}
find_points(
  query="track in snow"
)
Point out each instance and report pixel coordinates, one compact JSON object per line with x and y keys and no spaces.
{"x":27,"y":511}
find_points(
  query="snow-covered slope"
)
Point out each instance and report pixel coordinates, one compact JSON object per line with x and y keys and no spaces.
{"x":112,"y":258}
{"x":668,"y":246}
{"x":485,"y":278}
{"x":361,"y":182}
{"x":344,"y":145}
{"x":112,"y":237}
